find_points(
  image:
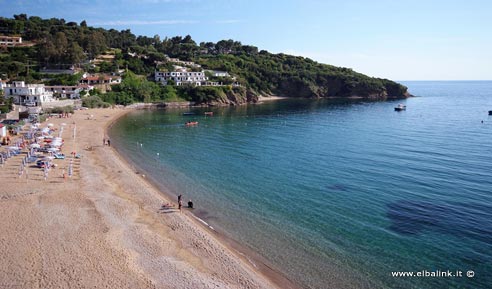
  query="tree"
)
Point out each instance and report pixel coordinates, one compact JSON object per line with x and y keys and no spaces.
{"x":21,"y":17}
{"x":14,"y":68}
{"x":169,"y":93}
{"x":61,"y":46}
{"x":95,"y":44}
{"x":106,"y":67}
{"x":75,"y":53}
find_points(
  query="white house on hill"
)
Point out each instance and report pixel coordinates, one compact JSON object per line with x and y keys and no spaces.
{"x":218,"y":73}
{"x":181,"y":77}
{"x":28,"y":94}
{"x":67,"y":91}
{"x":10,"y":40}
{"x":100,"y":79}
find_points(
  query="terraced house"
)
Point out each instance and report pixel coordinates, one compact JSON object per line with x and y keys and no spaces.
{"x":10,"y":40}
{"x":28,"y":94}
{"x":181,"y":77}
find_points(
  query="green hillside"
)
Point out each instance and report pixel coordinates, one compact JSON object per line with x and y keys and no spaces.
{"x":56,"y":43}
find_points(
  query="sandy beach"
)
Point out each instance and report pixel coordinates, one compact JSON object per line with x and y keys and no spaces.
{"x":106,"y":226}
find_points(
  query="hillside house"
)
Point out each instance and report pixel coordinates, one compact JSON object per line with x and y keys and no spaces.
{"x":28,"y":94}
{"x":100,"y":79}
{"x":10,"y":40}
{"x":181,"y":77}
{"x":218,"y":73}
{"x":67,"y":91}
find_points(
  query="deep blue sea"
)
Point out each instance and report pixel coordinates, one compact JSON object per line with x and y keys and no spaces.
{"x":337,"y":193}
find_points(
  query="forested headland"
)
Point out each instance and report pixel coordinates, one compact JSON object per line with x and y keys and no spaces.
{"x":58,"y":44}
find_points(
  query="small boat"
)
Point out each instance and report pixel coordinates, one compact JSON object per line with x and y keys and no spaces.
{"x":209,"y":113}
{"x":188,"y":113}
{"x":191,"y":123}
{"x":400,"y":107}
{"x":490,"y":112}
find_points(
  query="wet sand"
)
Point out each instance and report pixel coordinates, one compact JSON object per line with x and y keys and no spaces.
{"x":106,"y":226}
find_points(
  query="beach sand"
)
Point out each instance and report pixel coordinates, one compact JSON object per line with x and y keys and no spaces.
{"x":105,"y":226}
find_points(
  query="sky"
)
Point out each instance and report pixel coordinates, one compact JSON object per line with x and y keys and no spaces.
{"x":399,"y":40}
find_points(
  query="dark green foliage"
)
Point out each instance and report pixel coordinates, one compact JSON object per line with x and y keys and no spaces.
{"x":6,"y":105}
{"x":139,"y":88}
{"x":94,"y":92}
{"x":202,"y":94}
{"x":169,"y":93}
{"x":260,"y":72}
{"x":94,"y":102}
{"x":120,"y":97}
{"x":107,"y":67}
{"x":62,"y":79}
{"x":299,"y":77}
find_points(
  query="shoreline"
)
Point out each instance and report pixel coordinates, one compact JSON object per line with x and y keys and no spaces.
{"x":104,"y":227}
{"x":247,"y":255}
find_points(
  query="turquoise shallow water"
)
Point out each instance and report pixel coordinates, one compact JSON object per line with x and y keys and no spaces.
{"x":337,"y":194}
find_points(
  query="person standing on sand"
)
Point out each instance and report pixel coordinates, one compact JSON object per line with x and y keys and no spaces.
{"x":109,"y":143}
{"x":179,"y":205}
{"x":179,"y":198}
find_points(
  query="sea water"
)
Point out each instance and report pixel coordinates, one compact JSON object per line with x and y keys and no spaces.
{"x":337,"y":193}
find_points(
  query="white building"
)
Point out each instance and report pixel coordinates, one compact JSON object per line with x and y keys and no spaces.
{"x":100,"y":79}
{"x":10,"y":40}
{"x":65,"y":91}
{"x":3,"y":84}
{"x":218,"y":73}
{"x":28,"y":94}
{"x":3,"y":131}
{"x":181,"y":77}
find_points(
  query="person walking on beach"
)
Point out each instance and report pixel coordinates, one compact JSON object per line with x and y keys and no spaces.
{"x":109,"y":143}
{"x":180,"y":204}
{"x":179,"y":198}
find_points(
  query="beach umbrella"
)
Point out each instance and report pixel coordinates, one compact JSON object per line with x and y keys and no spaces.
{"x":50,"y":125}
{"x":53,"y":149}
{"x":35,"y":145}
{"x":13,"y":148}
